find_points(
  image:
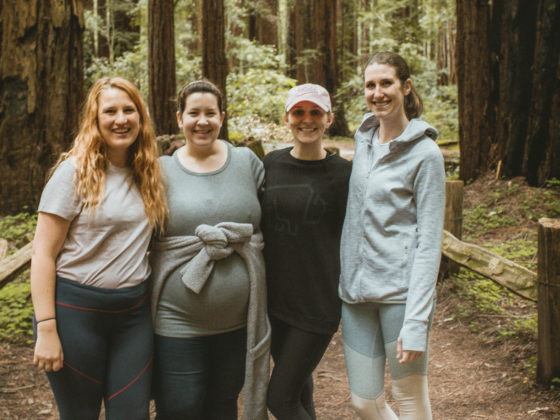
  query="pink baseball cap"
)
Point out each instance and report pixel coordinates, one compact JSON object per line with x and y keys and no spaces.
{"x":309,"y":92}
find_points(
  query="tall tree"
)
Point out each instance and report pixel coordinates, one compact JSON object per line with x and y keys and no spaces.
{"x":161,"y":65}
{"x":476,"y":108}
{"x":508,"y":57}
{"x":214,"y":62}
{"x":41,"y":77}
{"x":543,"y":132}
{"x":263,"y":22}
{"x":315,"y":29}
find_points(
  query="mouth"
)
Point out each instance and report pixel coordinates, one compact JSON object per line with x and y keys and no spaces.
{"x":307,"y":129}
{"x":121,"y":131}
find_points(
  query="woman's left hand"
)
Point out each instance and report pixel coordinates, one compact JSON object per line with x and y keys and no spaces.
{"x":406,"y":356}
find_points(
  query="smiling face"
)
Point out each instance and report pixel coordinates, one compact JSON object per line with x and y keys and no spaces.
{"x":201,"y":120}
{"x":384,"y":92}
{"x":308,"y":122}
{"x":118,"y":120}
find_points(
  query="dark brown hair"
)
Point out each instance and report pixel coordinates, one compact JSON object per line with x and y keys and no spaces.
{"x":203,"y":85}
{"x":413,"y":105}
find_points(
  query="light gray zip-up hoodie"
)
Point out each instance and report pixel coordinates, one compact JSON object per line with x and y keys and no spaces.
{"x":391,"y":239}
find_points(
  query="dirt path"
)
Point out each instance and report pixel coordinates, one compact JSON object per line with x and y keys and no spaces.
{"x":469,"y":380}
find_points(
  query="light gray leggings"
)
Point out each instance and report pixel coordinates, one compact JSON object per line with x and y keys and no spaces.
{"x":370,"y":332}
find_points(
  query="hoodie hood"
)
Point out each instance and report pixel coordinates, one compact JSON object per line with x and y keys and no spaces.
{"x":416,"y":129}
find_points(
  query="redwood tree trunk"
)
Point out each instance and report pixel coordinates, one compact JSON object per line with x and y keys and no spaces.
{"x":263,"y":22}
{"x":41,"y":78}
{"x":214,"y":62}
{"x":543,"y":137}
{"x":475,"y":84}
{"x":161,"y":65}
{"x":509,"y":100}
{"x":316,"y":43}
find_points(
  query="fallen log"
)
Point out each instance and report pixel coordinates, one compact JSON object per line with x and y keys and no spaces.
{"x":3,"y":248}
{"x":13,"y":265}
{"x":508,"y":274}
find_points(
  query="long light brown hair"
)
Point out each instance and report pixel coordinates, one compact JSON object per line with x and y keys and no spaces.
{"x":90,"y":151}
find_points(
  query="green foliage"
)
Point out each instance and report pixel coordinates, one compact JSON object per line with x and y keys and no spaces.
{"x":488,"y":307}
{"x":482,"y":218}
{"x":258,"y":87}
{"x":18,"y":229}
{"x":16,"y":312}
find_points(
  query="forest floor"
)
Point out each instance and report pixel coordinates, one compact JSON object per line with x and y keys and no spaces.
{"x":474,"y":372}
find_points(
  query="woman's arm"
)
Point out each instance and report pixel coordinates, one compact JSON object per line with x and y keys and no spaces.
{"x":429,"y":195}
{"x":49,"y":237}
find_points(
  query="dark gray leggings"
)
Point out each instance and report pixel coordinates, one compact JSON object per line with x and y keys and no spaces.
{"x":199,"y":378}
{"x":107,"y":340}
{"x":296,"y":353}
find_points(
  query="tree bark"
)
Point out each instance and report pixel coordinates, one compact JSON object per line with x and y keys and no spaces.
{"x":41,"y":78}
{"x":214,"y":62}
{"x":475,"y":85}
{"x":263,"y":22}
{"x":543,"y":137}
{"x":316,"y":50}
{"x":548,"y":346}
{"x":161,"y":65}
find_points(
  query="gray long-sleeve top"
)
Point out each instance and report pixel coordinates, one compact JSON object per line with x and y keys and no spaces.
{"x":391,"y":239}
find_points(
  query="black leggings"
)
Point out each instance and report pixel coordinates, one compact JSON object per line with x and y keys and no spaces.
{"x":296,"y":354}
{"x":107,"y":340}
{"x":199,"y":378}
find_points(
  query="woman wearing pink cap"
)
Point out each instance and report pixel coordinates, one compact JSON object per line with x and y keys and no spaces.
{"x":304,"y":203}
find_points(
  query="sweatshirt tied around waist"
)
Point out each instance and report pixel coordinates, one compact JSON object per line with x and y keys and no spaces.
{"x":198,"y":253}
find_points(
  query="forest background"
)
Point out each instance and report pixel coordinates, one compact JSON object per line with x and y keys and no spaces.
{"x":488,"y":72}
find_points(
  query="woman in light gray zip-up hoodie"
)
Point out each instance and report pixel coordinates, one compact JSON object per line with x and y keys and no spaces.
{"x":391,"y":245}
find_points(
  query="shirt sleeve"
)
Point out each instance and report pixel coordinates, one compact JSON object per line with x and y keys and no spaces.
{"x":429,"y":194}
{"x":59,"y":195}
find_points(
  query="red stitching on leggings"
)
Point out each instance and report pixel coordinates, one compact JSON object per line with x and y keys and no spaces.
{"x":128,"y":385}
{"x":97,"y":381}
{"x":106,"y":311}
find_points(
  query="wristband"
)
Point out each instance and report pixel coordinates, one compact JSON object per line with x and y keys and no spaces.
{"x":46,"y":319}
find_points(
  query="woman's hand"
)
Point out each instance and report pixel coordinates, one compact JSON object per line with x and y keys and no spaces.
{"x":406,"y":356}
{"x":48,"y":350}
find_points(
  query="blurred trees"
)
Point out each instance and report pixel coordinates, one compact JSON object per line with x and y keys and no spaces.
{"x":508,"y":63}
{"x":41,"y":85}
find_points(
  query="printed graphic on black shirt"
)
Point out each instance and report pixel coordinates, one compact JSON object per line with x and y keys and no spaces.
{"x":288,"y":215}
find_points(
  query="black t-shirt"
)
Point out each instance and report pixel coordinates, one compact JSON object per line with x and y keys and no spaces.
{"x":303,"y":211}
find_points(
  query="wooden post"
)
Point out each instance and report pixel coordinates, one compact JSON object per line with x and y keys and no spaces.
{"x":453,"y":222}
{"x":548,"y":346}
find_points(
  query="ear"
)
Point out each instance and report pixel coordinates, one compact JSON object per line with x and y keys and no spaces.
{"x":407,"y":87}
{"x":179,"y":119}
{"x":222,"y":117}
{"x":330,"y":119}
{"x":286,"y":118}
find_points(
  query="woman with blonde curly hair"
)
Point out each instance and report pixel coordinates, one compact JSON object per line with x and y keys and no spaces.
{"x":89,"y":268}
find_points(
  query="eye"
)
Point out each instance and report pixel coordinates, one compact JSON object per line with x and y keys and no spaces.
{"x":370,"y":85}
{"x":298,"y":112}
{"x":130,"y":110}
{"x":316,"y":113}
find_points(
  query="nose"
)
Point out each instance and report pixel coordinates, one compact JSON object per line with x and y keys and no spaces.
{"x":307,"y":117}
{"x":121,"y":118}
{"x":377,"y":91}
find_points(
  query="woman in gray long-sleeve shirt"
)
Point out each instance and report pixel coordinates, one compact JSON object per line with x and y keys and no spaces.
{"x":209,"y":302}
{"x":391,"y":245}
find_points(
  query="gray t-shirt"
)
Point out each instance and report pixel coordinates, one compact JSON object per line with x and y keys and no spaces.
{"x":228,"y":194}
{"x":106,"y":247}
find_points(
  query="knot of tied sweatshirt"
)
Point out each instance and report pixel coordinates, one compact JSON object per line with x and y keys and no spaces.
{"x":216,"y":243}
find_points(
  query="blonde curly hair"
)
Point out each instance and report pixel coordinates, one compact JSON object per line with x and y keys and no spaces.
{"x":90,"y":152}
